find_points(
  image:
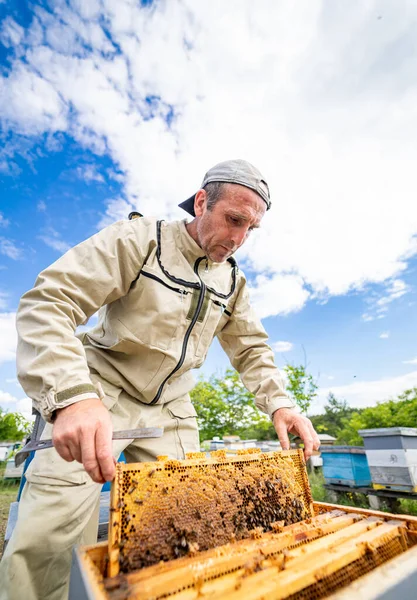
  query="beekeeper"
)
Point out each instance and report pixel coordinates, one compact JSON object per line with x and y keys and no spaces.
{"x":163,"y":292}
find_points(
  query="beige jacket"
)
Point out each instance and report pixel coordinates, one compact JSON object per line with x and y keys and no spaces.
{"x":160,"y":305}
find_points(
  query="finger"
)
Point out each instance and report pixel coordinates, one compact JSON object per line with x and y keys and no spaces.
{"x":304,"y":433}
{"x":75,"y":449}
{"x":64,"y":451}
{"x":282,"y":432}
{"x":316,"y":439}
{"x":104,"y":452}
{"x":88,"y":456}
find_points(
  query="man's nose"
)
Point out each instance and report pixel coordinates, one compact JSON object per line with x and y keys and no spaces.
{"x":239,"y":236}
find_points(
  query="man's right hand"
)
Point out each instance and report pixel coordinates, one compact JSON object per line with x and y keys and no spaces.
{"x":83,"y":432}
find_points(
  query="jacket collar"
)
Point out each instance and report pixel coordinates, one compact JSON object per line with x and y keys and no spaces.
{"x":177,"y":254}
{"x":187,"y":245}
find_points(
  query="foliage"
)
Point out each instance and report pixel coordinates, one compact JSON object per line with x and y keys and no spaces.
{"x":300,"y":386}
{"x":393,"y":413}
{"x":225,"y":407}
{"x":318,"y":491}
{"x":320,"y":494}
{"x":344,"y":423}
{"x":336,"y":414}
{"x":13,"y":426}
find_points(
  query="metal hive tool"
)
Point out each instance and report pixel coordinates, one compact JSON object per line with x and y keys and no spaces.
{"x":170,"y":509}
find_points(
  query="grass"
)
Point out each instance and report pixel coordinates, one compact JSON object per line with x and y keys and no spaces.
{"x":8,"y":494}
{"x":320,"y":494}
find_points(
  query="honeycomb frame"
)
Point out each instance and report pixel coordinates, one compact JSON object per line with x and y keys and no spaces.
{"x":170,"y":509}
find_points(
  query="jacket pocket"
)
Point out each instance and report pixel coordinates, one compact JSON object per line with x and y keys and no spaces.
{"x":48,"y":468}
{"x":153,"y":311}
{"x":184,"y":415}
{"x":182,"y":409}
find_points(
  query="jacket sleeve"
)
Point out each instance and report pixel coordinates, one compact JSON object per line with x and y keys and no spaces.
{"x":51,"y":362}
{"x":244,"y":340}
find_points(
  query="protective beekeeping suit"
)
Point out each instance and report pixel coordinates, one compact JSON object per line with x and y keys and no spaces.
{"x":163,"y":292}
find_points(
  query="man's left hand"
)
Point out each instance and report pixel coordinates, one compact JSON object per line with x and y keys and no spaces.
{"x":287,"y":421}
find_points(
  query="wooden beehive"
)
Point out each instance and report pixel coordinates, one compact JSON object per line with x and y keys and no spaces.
{"x":346,"y":465}
{"x":307,"y":558}
{"x":392,"y":456}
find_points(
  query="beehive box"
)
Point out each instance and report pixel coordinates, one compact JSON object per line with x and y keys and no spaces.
{"x":266,"y":538}
{"x":346,"y":465}
{"x":392,"y":457}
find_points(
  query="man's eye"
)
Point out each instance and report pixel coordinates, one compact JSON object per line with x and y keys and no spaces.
{"x":234,"y":220}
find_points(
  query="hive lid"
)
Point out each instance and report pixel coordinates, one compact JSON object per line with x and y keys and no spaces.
{"x":170,"y":508}
{"x":343,"y":450}
{"x":386,"y":431}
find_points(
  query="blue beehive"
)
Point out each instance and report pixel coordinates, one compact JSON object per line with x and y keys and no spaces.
{"x":346,"y":465}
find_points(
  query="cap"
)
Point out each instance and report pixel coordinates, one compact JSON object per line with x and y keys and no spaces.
{"x":233,"y":171}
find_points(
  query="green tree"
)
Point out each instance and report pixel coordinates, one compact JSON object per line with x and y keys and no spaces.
{"x":13,"y":426}
{"x":225,"y":407}
{"x":335,"y":416}
{"x":392,"y":413}
{"x":301,"y":386}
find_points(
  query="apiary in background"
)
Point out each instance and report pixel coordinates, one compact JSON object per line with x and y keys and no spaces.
{"x":346,"y":465}
{"x":294,"y":549}
{"x":392,"y":457}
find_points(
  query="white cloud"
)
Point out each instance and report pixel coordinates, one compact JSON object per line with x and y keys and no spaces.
{"x":30,"y":104}
{"x":366,"y":393}
{"x":278,"y":295}
{"x":41,"y":206}
{"x":8,"y":336}
{"x":3,"y":221}
{"x":3,"y":300}
{"x":53,"y":239}
{"x":12,"y":404}
{"x":116,"y":210}
{"x":325,"y":107}
{"x":11,"y":33}
{"x":89,"y":173}
{"x":282,"y":346}
{"x":384,"y":335}
{"x":9,"y":249}
{"x":8,"y":167}
{"x":379,"y":304}
{"x":413,"y":361}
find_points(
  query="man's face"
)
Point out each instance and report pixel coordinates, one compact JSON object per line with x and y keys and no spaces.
{"x":224,"y":228}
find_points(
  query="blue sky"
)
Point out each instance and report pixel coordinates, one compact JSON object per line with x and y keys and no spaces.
{"x":110,"y":105}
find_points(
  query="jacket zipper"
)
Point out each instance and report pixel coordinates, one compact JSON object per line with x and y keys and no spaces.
{"x":170,"y":287}
{"x":223,"y":308}
{"x":187,"y":333}
{"x":192,"y":284}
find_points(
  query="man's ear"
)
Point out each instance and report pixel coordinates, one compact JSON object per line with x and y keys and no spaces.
{"x":200,"y":203}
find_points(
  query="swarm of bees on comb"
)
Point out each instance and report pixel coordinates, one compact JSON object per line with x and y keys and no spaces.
{"x":171,"y":509}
